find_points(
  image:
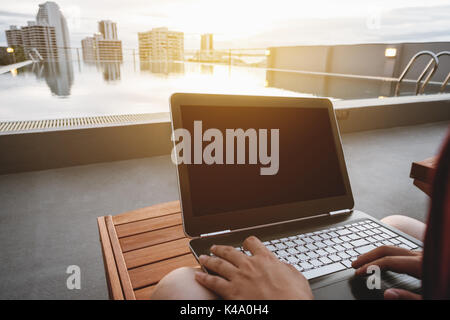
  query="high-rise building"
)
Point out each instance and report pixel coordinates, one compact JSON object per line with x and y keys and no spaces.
{"x":103,"y":46}
{"x":108,"y":29}
{"x":207,"y":42}
{"x":89,"y":47}
{"x":206,"y":52}
{"x":39,"y":41}
{"x":49,"y":14}
{"x":161,"y":44}
{"x":14,"y":37}
{"x":109,"y":50}
{"x":46,"y":38}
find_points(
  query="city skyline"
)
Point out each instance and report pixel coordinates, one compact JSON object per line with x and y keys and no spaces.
{"x":103,"y":45}
{"x":46,"y":37}
{"x":254,"y":24}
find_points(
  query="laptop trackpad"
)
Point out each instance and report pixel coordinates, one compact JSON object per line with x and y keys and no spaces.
{"x":339,"y":290}
{"x":356,"y":287}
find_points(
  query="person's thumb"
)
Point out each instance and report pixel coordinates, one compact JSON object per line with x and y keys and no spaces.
{"x":400,"y":294}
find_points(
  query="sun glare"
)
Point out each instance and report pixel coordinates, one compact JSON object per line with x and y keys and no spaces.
{"x":238,"y":19}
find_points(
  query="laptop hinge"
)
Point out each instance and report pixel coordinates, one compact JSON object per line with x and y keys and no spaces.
{"x":214,"y":233}
{"x":338,"y":212}
{"x":331,"y":213}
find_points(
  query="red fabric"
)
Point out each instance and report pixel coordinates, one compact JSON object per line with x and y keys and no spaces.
{"x":436,"y":260}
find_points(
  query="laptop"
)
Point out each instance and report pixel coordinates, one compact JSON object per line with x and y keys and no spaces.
{"x":273,"y":167}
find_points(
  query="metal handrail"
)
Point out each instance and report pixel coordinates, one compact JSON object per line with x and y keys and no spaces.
{"x":430,"y":75}
{"x":444,"y":84}
{"x":410,"y":63}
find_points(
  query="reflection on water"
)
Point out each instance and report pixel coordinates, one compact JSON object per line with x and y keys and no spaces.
{"x":111,"y":71}
{"x":339,"y":87}
{"x":112,"y":88}
{"x":326,"y":86}
{"x":57,"y":74}
{"x":207,"y":69}
{"x":165,"y":67}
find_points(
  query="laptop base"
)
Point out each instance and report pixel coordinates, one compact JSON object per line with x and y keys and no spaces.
{"x":338,"y":285}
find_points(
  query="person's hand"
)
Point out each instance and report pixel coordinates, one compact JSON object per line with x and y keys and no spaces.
{"x":260,"y":276}
{"x":394,"y":259}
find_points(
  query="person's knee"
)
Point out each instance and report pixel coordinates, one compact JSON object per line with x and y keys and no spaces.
{"x":395,"y":220}
{"x":408,"y":225}
{"x":180,"y":284}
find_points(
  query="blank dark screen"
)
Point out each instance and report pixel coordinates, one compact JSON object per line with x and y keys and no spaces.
{"x":308,"y":163}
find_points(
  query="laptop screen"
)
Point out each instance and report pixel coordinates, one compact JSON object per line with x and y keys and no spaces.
{"x":307,"y":165}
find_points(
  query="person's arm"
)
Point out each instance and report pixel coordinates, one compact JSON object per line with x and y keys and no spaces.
{"x":394,"y":259}
{"x":260,"y":276}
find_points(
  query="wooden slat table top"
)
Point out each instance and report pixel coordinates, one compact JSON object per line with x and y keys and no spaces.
{"x":140,"y":247}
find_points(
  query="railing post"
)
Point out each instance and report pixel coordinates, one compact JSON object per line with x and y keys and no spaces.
{"x":444,"y":84}
{"x":430,"y":75}
{"x":408,"y":66}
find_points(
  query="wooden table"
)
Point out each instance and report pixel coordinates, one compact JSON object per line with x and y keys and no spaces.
{"x":422,"y":172}
{"x":140,"y":247}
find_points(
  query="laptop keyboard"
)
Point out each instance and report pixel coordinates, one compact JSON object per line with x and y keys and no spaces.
{"x":330,"y":250}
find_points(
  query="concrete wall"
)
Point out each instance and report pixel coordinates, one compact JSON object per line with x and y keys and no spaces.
{"x":65,"y":148}
{"x":307,"y":58}
{"x":57,"y":149}
{"x":363,"y":59}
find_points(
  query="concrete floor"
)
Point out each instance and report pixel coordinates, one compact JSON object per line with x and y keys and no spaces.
{"x":48,"y":218}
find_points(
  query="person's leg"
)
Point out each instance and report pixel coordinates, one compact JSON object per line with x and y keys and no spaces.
{"x":180,"y":284}
{"x":410,"y":226}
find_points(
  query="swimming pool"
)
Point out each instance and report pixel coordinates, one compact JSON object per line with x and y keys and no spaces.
{"x":69,"y":89}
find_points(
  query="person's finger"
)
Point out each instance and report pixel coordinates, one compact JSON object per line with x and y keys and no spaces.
{"x":401,"y":264}
{"x":400,"y":294}
{"x":380,"y":252}
{"x":216,"y":284}
{"x":219,"y":266}
{"x":229,"y":254}
{"x":255,"y":246}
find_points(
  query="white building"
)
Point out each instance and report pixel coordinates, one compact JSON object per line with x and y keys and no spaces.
{"x":207,"y":52}
{"x":161,"y":44}
{"x":49,"y":14}
{"x":89,"y":47}
{"x":40,"y":38}
{"x":104,"y":45}
{"x":14,"y":37}
{"x":206,"y":43}
{"x":108,"y":29}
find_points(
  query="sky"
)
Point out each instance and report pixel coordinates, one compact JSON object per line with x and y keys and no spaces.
{"x":250,"y":23}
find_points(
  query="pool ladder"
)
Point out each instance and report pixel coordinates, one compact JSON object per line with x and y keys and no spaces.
{"x":433,"y":65}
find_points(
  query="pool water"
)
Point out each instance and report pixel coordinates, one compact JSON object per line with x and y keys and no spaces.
{"x":68,"y":89}
{"x":71,"y":89}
